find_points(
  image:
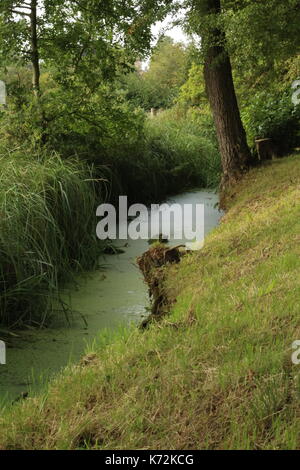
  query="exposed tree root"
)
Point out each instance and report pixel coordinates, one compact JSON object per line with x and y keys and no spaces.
{"x":153,"y":266}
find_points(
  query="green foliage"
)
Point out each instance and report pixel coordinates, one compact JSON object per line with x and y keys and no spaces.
{"x":83,"y":46}
{"x":105,"y":129}
{"x":216,"y":373}
{"x":273,"y":115}
{"x":47,"y":230}
{"x":192,"y":93}
{"x":167,"y":72}
{"x":74,"y":121}
{"x":90,"y":38}
{"x":190,"y":157}
{"x":259,"y":34}
{"x":173,"y":152}
{"x":158,"y":86}
{"x":292,"y":69}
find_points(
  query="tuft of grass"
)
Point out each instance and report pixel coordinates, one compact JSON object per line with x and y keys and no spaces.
{"x":216,"y":373}
{"x":47,"y":230}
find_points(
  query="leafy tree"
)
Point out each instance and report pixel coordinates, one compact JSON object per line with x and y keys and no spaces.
{"x":192,"y":92}
{"x":88,"y":37}
{"x":264,"y":45}
{"x":167,"y":72}
{"x":83,"y":45}
{"x":257,"y":39}
{"x":158,"y":86}
{"x":261,"y":36}
{"x":204,"y":19}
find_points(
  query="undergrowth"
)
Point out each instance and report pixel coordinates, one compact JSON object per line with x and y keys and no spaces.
{"x":216,"y":373}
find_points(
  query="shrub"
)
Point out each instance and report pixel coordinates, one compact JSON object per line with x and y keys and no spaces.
{"x":273,"y":115}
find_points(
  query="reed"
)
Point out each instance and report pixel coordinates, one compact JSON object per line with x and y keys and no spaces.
{"x":47,"y":231}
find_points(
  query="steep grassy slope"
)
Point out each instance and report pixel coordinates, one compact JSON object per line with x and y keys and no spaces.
{"x":214,"y":374}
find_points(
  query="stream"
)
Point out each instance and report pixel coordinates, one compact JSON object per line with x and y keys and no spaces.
{"x":107,"y":298}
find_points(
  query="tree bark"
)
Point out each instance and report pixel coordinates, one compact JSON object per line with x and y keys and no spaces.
{"x":36,"y":73}
{"x":235,"y":153}
{"x":34,"y":49}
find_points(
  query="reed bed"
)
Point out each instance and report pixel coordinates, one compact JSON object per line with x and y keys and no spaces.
{"x":47,"y":231}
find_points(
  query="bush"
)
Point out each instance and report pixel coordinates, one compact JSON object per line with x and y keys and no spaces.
{"x":273,"y":115}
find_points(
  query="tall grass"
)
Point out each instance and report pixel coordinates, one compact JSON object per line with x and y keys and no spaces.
{"x":47,"y":229}
{"x":173,"y":153}
{"x":185,"y":151}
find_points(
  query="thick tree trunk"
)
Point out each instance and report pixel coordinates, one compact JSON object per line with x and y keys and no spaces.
{"x":34,"y":49}
{"x":234,"y":150}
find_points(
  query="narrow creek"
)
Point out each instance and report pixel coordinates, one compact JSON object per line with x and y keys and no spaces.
{"x":112,"y":296}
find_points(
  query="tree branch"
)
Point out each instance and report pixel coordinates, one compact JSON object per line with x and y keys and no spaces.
{"x":24,"y":6}
{"x":22,"y":13}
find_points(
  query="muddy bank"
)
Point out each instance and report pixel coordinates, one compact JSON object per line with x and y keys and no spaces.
{"x":153,"y":265}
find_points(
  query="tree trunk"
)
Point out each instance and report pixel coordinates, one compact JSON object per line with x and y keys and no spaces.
{"x":234,"y":150}
{"x":35,"y":60}
{"x":34,"y":49}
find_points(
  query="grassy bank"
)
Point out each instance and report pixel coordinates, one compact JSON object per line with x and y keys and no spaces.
{"x":47,"y":231}
{"x":214,"y":374}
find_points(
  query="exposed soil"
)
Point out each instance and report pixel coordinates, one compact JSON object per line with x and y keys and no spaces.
{"x":153,"y":265}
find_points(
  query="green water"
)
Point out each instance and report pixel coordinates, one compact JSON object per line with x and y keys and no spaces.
{"x":115,"y":295}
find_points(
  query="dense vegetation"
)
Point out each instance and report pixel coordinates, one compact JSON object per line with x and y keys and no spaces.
{"x":216,"y":373}
{"x":71,"y":138}
{"x":46,"y":231}
{"x":78,"y":103}
{"x":90,"y":154}
{"x":96,"y":109}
